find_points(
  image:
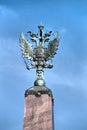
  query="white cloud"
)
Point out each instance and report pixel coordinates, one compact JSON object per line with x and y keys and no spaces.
{"x":7,"y":14}
{"x":9,"y":22}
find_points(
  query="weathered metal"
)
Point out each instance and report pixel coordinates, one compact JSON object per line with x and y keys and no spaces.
{"x":41,"y":54}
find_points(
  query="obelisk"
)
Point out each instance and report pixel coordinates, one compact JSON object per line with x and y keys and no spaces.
{"x":38,"y":107}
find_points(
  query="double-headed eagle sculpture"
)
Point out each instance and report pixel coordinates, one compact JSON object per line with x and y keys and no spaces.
{"x":41,"y":54}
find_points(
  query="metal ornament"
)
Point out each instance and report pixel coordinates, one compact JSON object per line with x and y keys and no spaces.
{"x":40,"y":54}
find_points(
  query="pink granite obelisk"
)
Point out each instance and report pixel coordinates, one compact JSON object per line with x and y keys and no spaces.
{"x":38,"y":113}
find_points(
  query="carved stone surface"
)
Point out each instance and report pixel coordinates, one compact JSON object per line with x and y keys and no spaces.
{"x":38,"y":112}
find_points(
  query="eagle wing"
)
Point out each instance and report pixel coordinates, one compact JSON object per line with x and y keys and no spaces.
{"x":26,"y":47}
{"x":52,"y":48}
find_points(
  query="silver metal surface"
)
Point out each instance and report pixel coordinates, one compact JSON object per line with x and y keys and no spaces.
{"x":41,"y":54}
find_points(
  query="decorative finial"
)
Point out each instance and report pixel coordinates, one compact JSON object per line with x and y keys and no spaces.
{"x":41,"y":26}
{"x":40,"y":55}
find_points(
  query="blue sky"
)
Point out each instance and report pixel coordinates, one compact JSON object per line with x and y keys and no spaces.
{"x":69,"y":75}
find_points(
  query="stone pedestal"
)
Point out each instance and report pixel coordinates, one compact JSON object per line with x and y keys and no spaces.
{"x":38,"y":109}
